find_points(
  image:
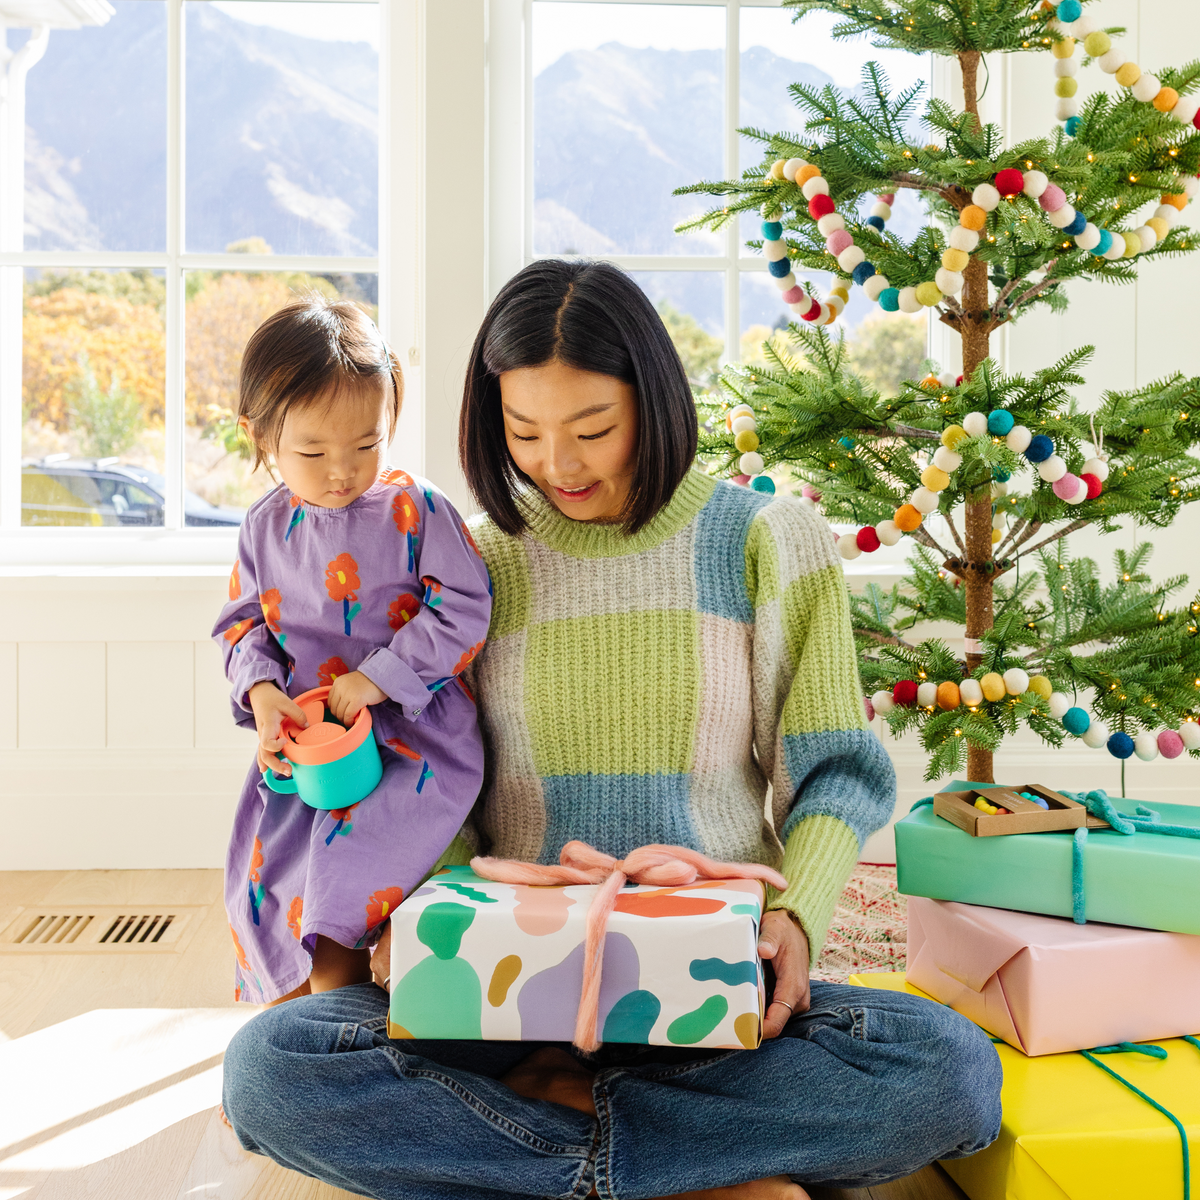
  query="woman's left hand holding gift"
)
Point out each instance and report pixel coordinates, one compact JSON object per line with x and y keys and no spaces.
{"x":782,"y":943}
{"x":381,"y":958}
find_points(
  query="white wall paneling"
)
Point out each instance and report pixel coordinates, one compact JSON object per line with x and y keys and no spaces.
{"x":8,"y":695}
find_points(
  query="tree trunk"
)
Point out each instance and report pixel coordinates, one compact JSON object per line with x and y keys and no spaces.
{"x":980,"y":567}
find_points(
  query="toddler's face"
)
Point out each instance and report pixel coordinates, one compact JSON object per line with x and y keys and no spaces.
{"x":575,"y":434}
{"x":331,"y":451}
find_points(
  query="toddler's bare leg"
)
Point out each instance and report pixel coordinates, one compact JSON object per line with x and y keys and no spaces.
{"x":335,"y":966}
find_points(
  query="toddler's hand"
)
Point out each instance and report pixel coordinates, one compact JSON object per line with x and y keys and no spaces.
{"x":350,"y":694}
{"x":270,"y":707}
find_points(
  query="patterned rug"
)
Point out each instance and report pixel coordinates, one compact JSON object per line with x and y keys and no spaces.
{"x":869,"y":931}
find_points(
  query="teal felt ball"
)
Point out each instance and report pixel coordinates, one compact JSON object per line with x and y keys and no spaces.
{"x":763,"y":483}
{"x":1069,"y":10}
{"x":1000,"y":423}
{"x":1073,"y":124}
{"x":1001,"y":474}
{"x":846,"y":443}
{"x":889,"y":299}
{"x":1076,"y":721}
{"x":772,"y":230}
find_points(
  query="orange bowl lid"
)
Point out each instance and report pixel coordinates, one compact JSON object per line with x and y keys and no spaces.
{"x":322,"y":741}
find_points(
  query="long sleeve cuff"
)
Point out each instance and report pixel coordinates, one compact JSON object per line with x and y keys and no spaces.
{"x":817,"y":861}
{"x":260,"y":670}
{"x":393,"y":676}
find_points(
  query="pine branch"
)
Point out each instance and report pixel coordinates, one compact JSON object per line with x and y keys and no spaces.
{"x":962,"y":549}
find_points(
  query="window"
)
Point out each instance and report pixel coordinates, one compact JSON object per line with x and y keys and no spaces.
{"x":189,"y":166}
{"x":626,"y":101}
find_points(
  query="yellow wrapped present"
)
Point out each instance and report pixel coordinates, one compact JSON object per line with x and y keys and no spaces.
{"x":1072,"y":1131}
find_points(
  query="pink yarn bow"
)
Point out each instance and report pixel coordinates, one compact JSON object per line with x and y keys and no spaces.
{"x":662,"y":866}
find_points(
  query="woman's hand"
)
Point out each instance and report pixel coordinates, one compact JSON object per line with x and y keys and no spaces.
{"x":350,"y":694}
{"x":381,"y":958}
{"x":782,"y":943}
{"x":270,"y":707}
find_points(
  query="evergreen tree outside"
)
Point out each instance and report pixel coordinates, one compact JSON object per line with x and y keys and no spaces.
{"x":995,"y":562}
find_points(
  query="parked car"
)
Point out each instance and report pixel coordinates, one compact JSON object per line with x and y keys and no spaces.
{"x":60,"y":490}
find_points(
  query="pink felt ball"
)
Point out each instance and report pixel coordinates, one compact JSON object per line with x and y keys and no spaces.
{"x":838,"y":241}
{"x":1170,"y":744}
{"x":793,"y":295}
{"x":1066,"y":487}
{"x":1053,"y":198}
{"x":742,"y":479}
{"x":1009,"y":182}
{"x":887,"y":198}
{"x":869,"y":708}
{"x":1094,"y":485}
{"x":811,"y":493}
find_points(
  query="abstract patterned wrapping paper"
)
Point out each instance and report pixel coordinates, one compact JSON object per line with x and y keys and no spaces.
{"x":472,"y":959}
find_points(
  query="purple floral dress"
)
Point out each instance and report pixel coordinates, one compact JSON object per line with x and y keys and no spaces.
{"x":393,"y":586}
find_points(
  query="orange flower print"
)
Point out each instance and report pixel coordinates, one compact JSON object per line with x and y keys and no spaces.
{"x":235,"y":633}
{"x":270,"y":601}
{"x":330,"y":670}
{"x":381,"y":904}
{"x":256,"y":860}
{"x":470,"y":539}
{"x":400,"y":748}
{"x":342,"y":583}
{"x":401,"y":479}
{"x":403,"y":609}
{"x":295,"y":910}
{"x":467,"y":656}
{"x":235,"y":580}
{"x":256,"y":892}
{"x":297,"y":516}
{"x":470,"y":694}
{"x":241,"y":954}
{"x":404,"y":513}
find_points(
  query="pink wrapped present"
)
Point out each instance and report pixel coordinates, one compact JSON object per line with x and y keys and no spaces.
{"x":1046,"y":985}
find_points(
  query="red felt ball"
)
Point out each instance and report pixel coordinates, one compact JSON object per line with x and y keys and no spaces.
{"x":814,"y":312}
{"x":1196,"y":120}
{"x":905,"y":692}
{"x":867,"y":539}
{"x":1010,"y":182}
{"x":821,"y":205}
{"x":958,"y":381}
{"x":1094,"y":484}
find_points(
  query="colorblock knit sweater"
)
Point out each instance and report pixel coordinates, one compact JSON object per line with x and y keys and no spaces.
{"x":649,"y":688}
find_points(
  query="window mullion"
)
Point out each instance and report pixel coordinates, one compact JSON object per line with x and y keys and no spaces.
{"x":733,"y":87}
{"x":175,"y":302}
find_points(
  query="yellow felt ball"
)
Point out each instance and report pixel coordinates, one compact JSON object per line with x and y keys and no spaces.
{"x":806,"y":173}
{"x":931,"y":383}
{"x":997,"y":534}
{"x":1128,"y":74}
{"x":1097,"y":43}
{"x":955,"y":260}
{"x":1160,"y":227}
{"x":935,"y":479}
{"x":1133,"y":245}
{"x":993,"y":686}
{"x":928,"y":293}
{"x":842,"y":292}
{"x":777,"y":169}
{"x":952,"y":435}
{"x":1064,"y":49}
{"x":1066,"y":86}
{"x":1041,"y":685}
{"x":973,"y":217}
{"x":746,"y":441}
{"x":1166,"y":99}
{"x":948,"y":695}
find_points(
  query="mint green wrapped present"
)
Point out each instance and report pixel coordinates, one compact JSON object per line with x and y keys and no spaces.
{"x":1148,"y":876}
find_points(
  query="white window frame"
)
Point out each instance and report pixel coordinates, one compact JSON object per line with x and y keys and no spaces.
{"x":174,"y":547}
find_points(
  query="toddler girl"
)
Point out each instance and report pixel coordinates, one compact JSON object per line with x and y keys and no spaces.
{"x":358,"y":576}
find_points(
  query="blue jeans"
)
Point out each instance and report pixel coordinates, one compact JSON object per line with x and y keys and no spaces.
{"x":864,"y":1087}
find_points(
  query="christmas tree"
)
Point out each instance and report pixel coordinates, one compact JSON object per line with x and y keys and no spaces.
{"x":988,"y":472}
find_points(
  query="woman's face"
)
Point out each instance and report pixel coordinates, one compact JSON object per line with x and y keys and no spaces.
{"x":575,"y":434}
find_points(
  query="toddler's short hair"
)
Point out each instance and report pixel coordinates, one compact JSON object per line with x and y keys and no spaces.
{"x":310,"y":350}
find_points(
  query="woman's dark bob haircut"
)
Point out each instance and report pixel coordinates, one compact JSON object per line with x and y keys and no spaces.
{"x":591,"y":316}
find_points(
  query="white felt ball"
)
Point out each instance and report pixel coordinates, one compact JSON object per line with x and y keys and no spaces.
{"x":986,"y":197}
{"x":946,"y":460}
{"x":1185,"y":111}
{"x":743,"y":424}
{"x":1096,"y":735}
{"x":786,"y":283}
{"x":808,"y":502}
{"x":1145,"y":746}
{"x":1112,"y":61}
{"x":927,"y":695}
{"x":1191,"y":186}
{"x":908,"y":300}
{"x":847,"y":546}
{"x":1018,"y":439}
{"x":882,"y":211}
{"x":1066,"y":108}
{"x":791,"y":167}
{"x":924,"y":501}
{"x":1051,"y":470}
{"x":1016,"y":681}
{"x":836,"y":304}
{"x":773,"y":251}
{"x":1081,"y":27}
{"x":816,"y":186}
{"x":1146,"y":88}
{"x":874,"y":286}
{"x":1080,"y":493}
{"x":1147,"y":237}
{"x":823,"y":315}
{"x":949,"y":283}
{"x":1089,"y":239}
{"x":1169,"y":213}
{"x":1059,"y":705}
{"x":850,"y":258}
{"x":975,"y":424}
{"x":882,"y":702}
{"x":831,"y":223}
{"x":999,"y":519}
{"x":947,"y":380}
{"x":1189,"y":731}
{"x":971,"y":692}
{"x":1117,"y":249}
{"x":1097,"y":467}
{"x":802,"y":305}
{"x":751,"y":463}
{"x":740,"y":410}
{"x":1036,"y":182}
{"x":1060,"y":218}
{"x":1065,"y":67}
{"x":771,"y":211}
{"x":962,"y":238}
{"x":888,"y":532}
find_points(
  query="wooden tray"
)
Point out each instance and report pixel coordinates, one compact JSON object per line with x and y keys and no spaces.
{"x":1023,"y":816}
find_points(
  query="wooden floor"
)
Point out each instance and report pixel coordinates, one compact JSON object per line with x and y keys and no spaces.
{"x":111,"y":1061}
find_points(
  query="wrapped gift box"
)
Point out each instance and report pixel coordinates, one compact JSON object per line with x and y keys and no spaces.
{"x":1146,"y":879}
{"x":1071,"y":1132}
{"x":1046,"y":985}
{"x":476,"y":959}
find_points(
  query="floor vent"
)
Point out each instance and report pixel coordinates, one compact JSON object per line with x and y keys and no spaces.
{"x":100,"y":928}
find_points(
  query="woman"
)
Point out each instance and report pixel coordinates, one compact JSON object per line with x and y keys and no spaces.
{"x":663,"y":647}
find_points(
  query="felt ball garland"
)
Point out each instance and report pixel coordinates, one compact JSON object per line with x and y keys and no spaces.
{"x":1170,"y":743}
{"x":741,"y":422}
